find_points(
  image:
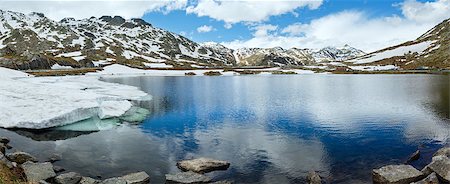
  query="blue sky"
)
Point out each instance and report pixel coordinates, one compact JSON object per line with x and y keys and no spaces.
{"x":365,"y":24}
{"x":179,"y":21}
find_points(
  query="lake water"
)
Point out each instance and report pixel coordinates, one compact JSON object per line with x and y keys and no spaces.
{"x":273,"y":129}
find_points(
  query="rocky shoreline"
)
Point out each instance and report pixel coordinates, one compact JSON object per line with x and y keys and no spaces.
{"x":25,"y":168}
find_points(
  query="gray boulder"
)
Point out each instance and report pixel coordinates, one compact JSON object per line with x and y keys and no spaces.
{"x":187,"y":178}
{"x":114,"y":181}
{"x":35,"y":172}
{"x":4,"y":140}
{"x":441,"y":166}
{"x":443,"y":152}
{"x":203,"y":165}
{"x":396,"y":174}
{"x":137,"y":178}
{"x":3,"y":148}
{"x":4,"y":160}
{"x":21,"y":157}
{"x":313,"y":178}
{"x":68,"y":178}
{"x":88,"y":180}
{"x":430,"y":179}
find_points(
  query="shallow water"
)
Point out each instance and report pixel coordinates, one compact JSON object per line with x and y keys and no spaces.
{"x":273,"y":129}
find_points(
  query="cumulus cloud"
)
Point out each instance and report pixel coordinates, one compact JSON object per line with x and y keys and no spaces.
{"x":205,"y":29}
{"x":84,"y":9}
{"x":355,"y":28}
{"x":233,"y":11}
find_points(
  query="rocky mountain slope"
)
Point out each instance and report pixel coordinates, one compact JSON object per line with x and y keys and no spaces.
{"x":35,"y":42}
{"x":429,"y":51}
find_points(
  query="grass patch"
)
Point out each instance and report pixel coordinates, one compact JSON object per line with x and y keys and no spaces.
{"x":75,"y":71}
{"x":283,"y":72}
{"x":212,"y":73}
{"x":11,"y":176}
{"x":190,"y":74}
{"x":248,"y":72}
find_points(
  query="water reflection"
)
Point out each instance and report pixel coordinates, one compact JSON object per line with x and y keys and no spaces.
{"x":273,"y":129}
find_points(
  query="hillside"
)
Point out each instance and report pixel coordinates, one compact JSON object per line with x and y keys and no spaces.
{"x":35,"y":42}
{"x":429,"y":51}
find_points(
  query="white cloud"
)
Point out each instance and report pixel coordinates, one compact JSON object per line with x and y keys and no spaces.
{"x":234,"y":11}
{"x":355,"y":28}
{"x":84,"y":9}
{"x":205,"y":29}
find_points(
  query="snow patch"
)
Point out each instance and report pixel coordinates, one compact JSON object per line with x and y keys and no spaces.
{"x":59,"y":67}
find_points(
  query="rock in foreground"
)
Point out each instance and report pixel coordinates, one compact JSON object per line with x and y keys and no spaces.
{"x":441,"y":166}
{"x":187,"y":178}
{"x":313,"y":178}
{"x":430,"y":179}
{"x":396,"y":174}
{"x":21,"y":157}
{"x":203,"y":165}
{"x":137,"y":178}
{"x":68,"y":178}
{"x":35,"y":172}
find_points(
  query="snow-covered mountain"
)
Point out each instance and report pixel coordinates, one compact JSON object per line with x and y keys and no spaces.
{"x":431,"y":50}
{"x":278,"y":56}
{"x":35,"y":42}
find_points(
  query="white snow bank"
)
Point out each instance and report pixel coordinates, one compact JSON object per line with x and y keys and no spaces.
{"x":158,"y":65}
{"x":9,"y":73}
{"x":374,"y":68}
{"x":400,"y":51}
{"x":59,"y":67}
{"x":119,"y":70}
{"x":46,"y":102}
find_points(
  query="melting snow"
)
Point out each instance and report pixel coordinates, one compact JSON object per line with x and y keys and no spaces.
{"x":158,"y":65}
{"x":58,"y":67}
{"x":400,"y":51}
{"x":44,"y":102}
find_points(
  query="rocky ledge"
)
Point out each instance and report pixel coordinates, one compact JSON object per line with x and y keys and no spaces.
{"x":438,"y":171}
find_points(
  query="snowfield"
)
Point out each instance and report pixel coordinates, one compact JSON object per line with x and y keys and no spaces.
{"x":44,"y":102}
{"x":121,"y":70}
{"x":400,"y":51}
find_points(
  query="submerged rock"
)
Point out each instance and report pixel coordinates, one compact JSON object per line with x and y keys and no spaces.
{"x":414,"y":156}
{"x":187,"y":178}
{"x":4,"y":140}
{"x":396,"y":174}
{"x":55,"y":157}
{"x":313,"y":178}
{"x":3,"y":148}
{"x":203,"y":165}
{"x":58,"y":168}
{"x":68,"y":178}
{"x":441,"y":166}
{"x":137,"y":178}
{"x":35,"y":172}
{"x":21,"y":157}
{"x":430,"y":179}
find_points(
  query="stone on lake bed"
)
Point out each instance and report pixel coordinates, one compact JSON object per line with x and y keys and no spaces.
{"x":414,"y":156}
{"x":68,"y":178}
{"x":203,"y":165}
{"x":137,"y":178}
{"x":21,"y":157}
{"x":4,"y":140}
{"x":187,"y":178}
{"x":396,"y":174}
{"x":35,"y":172}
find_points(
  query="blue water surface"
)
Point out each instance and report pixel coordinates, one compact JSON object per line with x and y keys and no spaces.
{"x":273,"y":129}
